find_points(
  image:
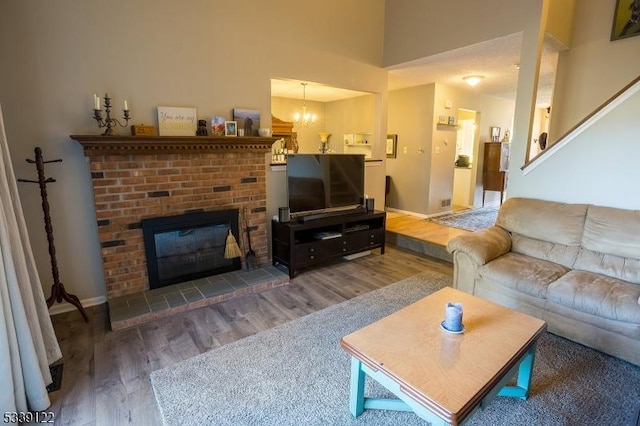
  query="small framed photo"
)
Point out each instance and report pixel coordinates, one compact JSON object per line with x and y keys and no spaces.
{"x":392,"y":146}
{"x":495,"y":134}
{"x":625,"y":19}
{"x":231,"y":128}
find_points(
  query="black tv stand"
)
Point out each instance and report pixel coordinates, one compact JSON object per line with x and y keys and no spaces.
{"x":300,"y":244}
{"x":315,"y":216}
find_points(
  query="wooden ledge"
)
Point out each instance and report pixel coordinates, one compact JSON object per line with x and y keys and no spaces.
{"x":141,"y":145}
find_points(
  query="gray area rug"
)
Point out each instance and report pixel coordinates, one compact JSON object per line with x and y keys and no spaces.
{"x":297,"y":374}
{"x":471,"y":220}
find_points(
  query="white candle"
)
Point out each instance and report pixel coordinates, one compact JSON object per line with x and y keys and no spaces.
{"x":126,"y":107}
{"x":95,"y":101}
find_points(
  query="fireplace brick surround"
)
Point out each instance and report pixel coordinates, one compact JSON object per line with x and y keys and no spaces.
{"x":136,"y":178}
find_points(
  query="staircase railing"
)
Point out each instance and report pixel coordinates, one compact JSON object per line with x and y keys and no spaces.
{"x":609,"y":105}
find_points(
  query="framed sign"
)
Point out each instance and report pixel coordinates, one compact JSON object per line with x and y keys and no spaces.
{"x":626,"y":19}
{"x":176,"y":121}
{"x":392,"y":146}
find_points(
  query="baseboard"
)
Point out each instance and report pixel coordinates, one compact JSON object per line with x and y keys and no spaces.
{"x":60,"y":308}
{"x":407,"y":212}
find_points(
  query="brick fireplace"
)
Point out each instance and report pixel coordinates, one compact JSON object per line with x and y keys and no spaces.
{"x":136,"y":178}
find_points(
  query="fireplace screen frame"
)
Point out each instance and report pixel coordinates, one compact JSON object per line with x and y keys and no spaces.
{"x":187,"y":221}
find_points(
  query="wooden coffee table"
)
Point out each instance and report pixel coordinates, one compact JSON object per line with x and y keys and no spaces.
{"x":440,"y":376}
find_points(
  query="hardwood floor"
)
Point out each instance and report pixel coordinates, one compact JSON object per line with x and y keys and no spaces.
{"x":106,"y":373}
{"x":421,"y":229}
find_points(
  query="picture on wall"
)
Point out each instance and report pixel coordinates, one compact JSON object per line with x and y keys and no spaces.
{"x":392,"y":146}
{"x":495,"y":134}
{"x":626,"y":19}
{"x":248,"y":120}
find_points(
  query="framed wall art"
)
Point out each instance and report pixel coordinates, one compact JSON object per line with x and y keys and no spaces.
{"x":392,"y":146}
{"x":626,"y":19}
{"x":495,"y":134}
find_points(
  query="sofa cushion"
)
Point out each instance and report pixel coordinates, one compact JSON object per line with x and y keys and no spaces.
{"x":598,"y":295}
{"x":547,"y":230}
{"x":523,"y":273}
{"x":612,"y":231}
{"x":610,"y":243}
{"x":618,"y":267}
{"x":542,"y":220}
{"x":557,"y":253}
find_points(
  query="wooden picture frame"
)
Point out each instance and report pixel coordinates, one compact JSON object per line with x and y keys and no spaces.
{"x":626,"y":19}
{"x":231,"y":128}
{"x":392,"y":146}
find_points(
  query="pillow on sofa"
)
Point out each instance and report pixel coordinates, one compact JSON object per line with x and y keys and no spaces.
{"x":551,"y":221}
{"x":609,"y":246}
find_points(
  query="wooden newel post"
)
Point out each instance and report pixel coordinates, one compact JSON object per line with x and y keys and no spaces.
{"x":58,"y":293}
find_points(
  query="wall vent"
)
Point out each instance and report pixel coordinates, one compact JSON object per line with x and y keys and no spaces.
{"x":445,"y":203}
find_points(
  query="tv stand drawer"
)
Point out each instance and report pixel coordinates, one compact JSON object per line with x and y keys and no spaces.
{"x":311,"y":252}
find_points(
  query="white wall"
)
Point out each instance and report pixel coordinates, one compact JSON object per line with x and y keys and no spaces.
{"x":410,"y":116}
{"x":594,"y":69}
{"x":417,"y":29}
{"x":598,"y":166}
{"x":214,"y":56}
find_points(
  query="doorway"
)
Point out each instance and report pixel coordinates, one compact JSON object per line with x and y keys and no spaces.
{"x":465,"y":163}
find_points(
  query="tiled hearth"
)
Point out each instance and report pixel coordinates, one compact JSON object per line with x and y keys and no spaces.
{"x":134,"y":309}
{"x":142,"y":177}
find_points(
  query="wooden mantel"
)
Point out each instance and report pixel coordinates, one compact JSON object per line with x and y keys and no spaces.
{"x":137,"y":145}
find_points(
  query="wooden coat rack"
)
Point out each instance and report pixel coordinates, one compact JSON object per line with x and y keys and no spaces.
{"x":58,"y":293}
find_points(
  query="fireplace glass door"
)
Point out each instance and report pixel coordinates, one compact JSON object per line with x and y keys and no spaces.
{"x":190,"y":246}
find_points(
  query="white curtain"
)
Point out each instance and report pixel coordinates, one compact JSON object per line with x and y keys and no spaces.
{"x":28,"y":344}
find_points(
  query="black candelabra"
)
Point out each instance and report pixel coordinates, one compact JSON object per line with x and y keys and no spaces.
{"x":58,"y":293}
{"x":108,"y":121}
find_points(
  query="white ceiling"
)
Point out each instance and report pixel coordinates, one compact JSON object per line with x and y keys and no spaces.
{"x":496,"y":60}
{"x":293,"y":89}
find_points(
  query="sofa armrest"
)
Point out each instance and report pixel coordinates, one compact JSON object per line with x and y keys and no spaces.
{"x":482,"y":246}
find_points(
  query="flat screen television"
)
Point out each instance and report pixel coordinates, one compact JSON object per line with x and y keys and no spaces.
{"x":318,"y":183}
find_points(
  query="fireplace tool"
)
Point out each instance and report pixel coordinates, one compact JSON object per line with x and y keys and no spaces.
{"x":231,"y":248}
{"x":58,"y":293}
{"x":250,"y":257}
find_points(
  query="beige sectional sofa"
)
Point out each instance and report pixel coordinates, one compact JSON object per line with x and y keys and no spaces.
{"x":576,"y":266}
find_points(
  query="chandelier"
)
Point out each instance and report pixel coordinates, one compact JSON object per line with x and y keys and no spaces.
{"x":306,"y":118}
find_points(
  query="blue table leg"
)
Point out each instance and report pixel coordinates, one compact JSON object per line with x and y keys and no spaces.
{"x":356,"y":390}
{"x":523,"y":382}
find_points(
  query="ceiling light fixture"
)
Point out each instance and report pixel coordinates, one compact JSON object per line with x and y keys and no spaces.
{"x":473,"y":80}
{"x":305,"y":119}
